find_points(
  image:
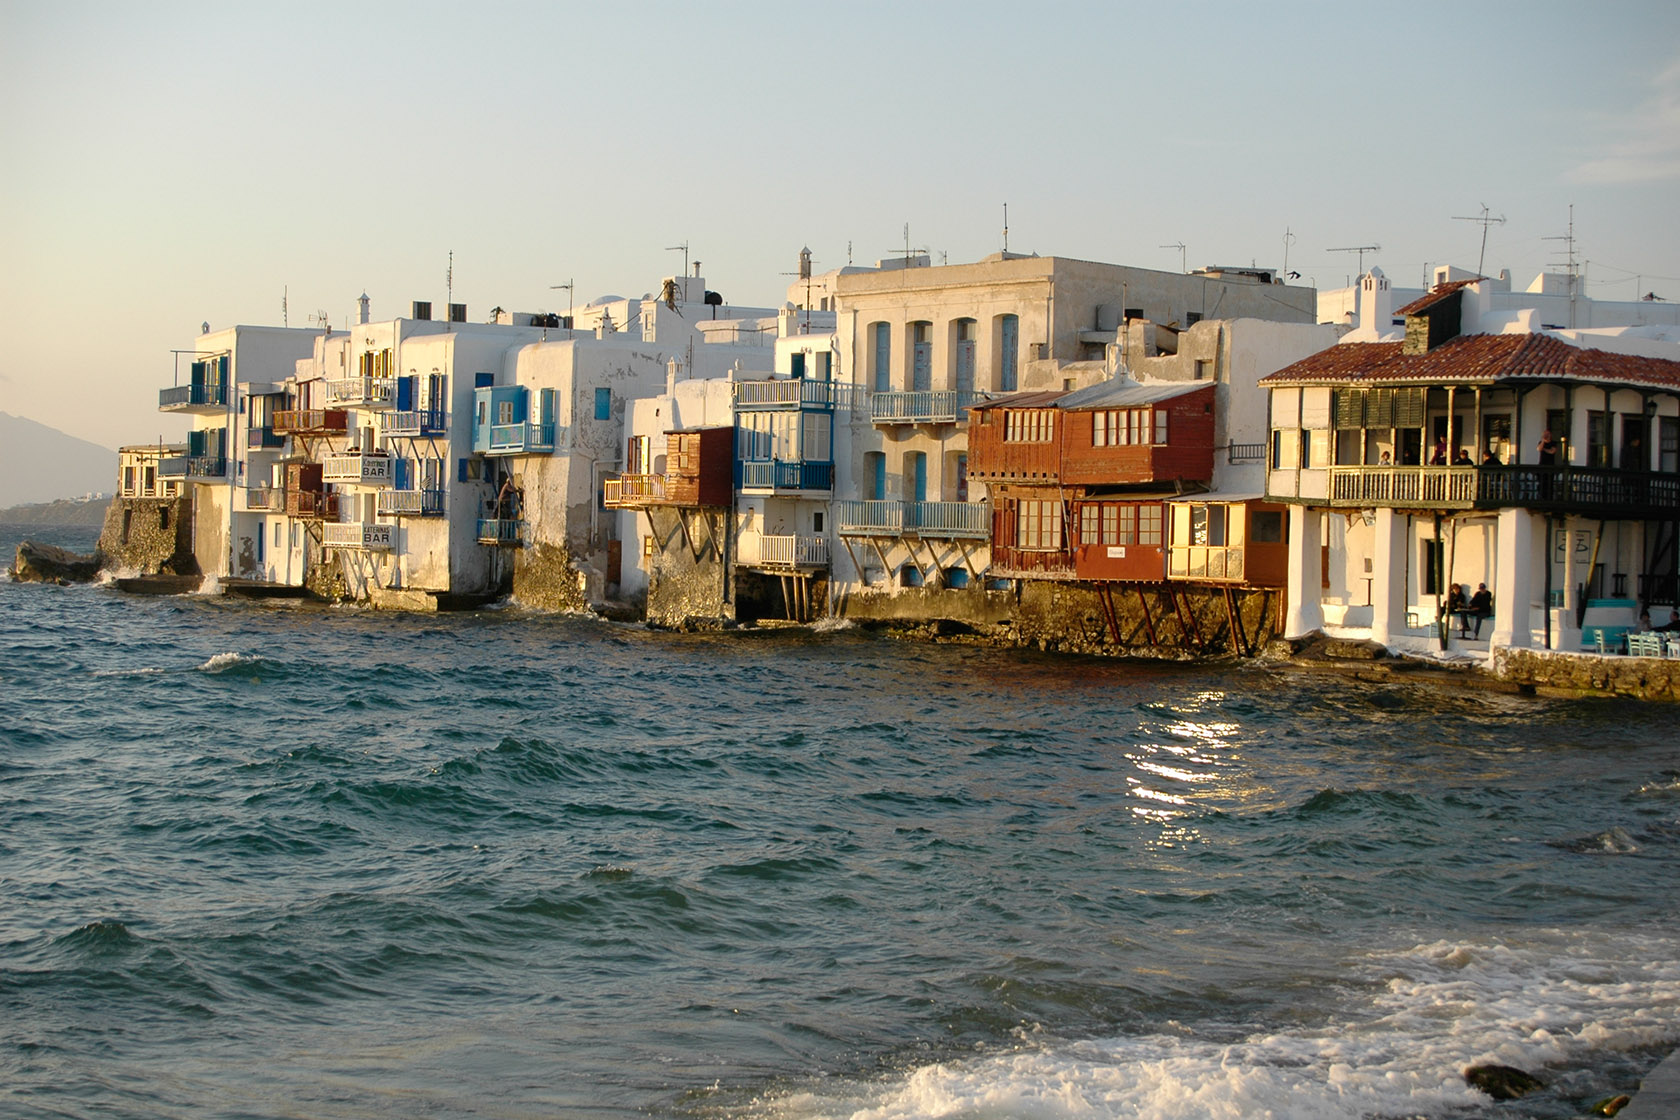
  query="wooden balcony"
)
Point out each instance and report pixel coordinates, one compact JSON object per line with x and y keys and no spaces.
{"x":635,"y":491}
{"x":359,"y":536}
{"x":312,"y":421}
{"x":311,"y":505}
{"x":1600,"y":491}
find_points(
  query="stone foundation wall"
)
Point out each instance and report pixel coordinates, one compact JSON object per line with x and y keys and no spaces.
{"x":683,"y":588}
{"x":1588,"y":674}
{"x":544,"y":577}
{"x":1070,"y":618}
{"x":149,"y":536}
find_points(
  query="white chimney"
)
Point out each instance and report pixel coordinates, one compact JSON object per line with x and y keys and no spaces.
{"x":1376,"y":302}
{"x":362,"y":305}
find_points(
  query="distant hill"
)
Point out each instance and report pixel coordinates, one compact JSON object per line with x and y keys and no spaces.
{"x":76,"y":512}
{"x":41,"y":464}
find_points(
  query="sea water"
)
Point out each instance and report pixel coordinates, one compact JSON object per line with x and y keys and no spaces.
{"x":287,"y":861}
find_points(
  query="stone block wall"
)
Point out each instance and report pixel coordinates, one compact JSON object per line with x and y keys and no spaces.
{"x":1588,"y":674}
{"x":149,"y":536}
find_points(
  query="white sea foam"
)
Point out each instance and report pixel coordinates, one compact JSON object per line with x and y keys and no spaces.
{"x":1444,"y":1006}
{"x":223,"y":661}
{"x":109,"y":576}
{"x":210,"y":585}
{"x":829,"y":625}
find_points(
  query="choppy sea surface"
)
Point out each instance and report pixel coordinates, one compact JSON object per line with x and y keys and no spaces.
{"x":282,"y":861}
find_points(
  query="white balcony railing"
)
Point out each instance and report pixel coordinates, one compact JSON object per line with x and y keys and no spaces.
{"x":410,"y":503}
{"x":360,"y":536}
{"x":785,"y":551}
{"x":923,"y":406}
{"x":362,"y":392}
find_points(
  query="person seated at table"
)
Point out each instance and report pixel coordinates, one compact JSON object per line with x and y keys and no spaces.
{"x":1454,"y":605}
{"x":1672,"y":626}
{"x":1385,"y":461}
{"x":1481,"y":607}
{"x":1462,"y":459}
{"x":1643,"y":626}
{"x":1489,"y":459}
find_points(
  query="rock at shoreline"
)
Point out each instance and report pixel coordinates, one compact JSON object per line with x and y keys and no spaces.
{"x":1502,"y":1083}
{"x":48,"y":563}
{"x":1609,"y":1106}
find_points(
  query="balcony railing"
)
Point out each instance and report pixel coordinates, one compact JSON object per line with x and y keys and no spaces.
{"x":631,"y":491}
{"x":775,"y":475}
{"x":365,"y":470}
{"x":194,"y":466}
{"x":311,"y":505}
{"x":207,"y":397}
{"x":1617,"y":492}
{"x":521,"y":439}
{"x":1431,"y":486}
{"x":265,"y":498}
{"x":970,"y":520}
{"x":1205,"y":562}
{"x":410,"y":503}
{"x":923,"y":406}
{"x":501,"y":532}
{"x":430,"y":422}
{"x":785,"y":552}
{"x":1245,"y":453}
{"x":792,"y":393}
{"x":363,"y":392}
{"x":359,"y":536}
{"x":312,"y":421}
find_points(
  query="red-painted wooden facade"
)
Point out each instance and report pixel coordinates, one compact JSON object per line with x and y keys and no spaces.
{"x":1162,"y":440}
{"x":699,"y":467}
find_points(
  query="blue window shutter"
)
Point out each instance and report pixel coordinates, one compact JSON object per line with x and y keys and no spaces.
{"x":799,"y":365}
{"x":883,"y":358}
{"x":483,"y":380}
{"x":603,"y":404}
{"x":921,"y":477}
{"x":405,"y":394}
{"x":462,"y":477}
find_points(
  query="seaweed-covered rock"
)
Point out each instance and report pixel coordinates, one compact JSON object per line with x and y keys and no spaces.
{"x":48,"y":563}
{"x":1502,"y":1083}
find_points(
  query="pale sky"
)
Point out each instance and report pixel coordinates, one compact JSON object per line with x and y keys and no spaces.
{"x":164,"y":164}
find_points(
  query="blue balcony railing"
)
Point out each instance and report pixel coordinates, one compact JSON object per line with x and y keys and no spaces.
{"x":206,"y":395}
{"x":773,"y":474}
{"x":501,"y":532}
{"x":194,"y":466}
{"x":519,"y":439}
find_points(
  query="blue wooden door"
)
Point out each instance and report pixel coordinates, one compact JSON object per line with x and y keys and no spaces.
{"x":1009,"y":346}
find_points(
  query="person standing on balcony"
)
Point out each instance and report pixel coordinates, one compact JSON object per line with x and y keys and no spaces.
{"x":1548,"y":449}
{"x":504,"y":499}
{"x":1439,"y":459}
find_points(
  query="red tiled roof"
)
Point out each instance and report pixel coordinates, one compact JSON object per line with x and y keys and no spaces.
{"x":1477,"y":358}
{"x":1436,"y":295}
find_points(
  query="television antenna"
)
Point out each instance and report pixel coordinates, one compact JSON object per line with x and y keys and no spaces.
{"x":1182,"y":259}
{"x":1289,"y":239}
{"x":1361,"y":250}
{"x":1485,"y":221}
{"x":1569,"y":249}
{"x":683,"y":249}
{"x":568,"y":285}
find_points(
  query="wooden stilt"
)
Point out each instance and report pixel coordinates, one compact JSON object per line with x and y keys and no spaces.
{"x":1148,"y":619}
{"x":1105,"y":596}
